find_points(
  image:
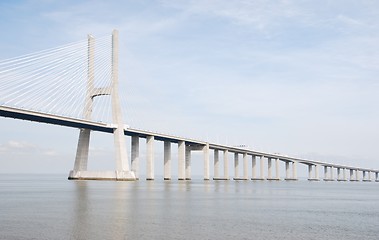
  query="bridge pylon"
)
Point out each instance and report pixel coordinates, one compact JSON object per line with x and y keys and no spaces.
{"x":122,"y":171}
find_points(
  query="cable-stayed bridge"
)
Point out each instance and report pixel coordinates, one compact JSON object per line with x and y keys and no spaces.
{"x":77,"y":86}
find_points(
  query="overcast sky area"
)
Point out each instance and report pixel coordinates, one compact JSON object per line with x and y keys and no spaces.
{"x":291,"y":77}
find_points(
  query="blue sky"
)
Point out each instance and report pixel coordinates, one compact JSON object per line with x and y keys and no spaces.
{"x":292,"y":77}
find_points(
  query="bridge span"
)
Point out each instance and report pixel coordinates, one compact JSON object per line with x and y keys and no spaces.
{"x":250,"y":158}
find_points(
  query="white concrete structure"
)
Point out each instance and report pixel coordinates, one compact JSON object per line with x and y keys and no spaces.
{"x":122,"y":171}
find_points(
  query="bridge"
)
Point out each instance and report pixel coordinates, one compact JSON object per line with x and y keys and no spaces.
{"x":59,"y":86}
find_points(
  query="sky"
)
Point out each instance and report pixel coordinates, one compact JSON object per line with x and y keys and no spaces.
{"x":291,"y":77}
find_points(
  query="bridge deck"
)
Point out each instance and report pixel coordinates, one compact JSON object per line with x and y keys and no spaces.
{"x":23,"y":114}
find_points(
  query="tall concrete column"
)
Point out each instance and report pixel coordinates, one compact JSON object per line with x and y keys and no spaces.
{"x":206,"y":161}
{"x":81,"y":159}
{"x":326,"y":177}
{"x":245,"y":167}
{"x":167,"y":160}
{"x":344,"y":174}
{"x":188,"y":163}
{"x":339,"y":174}
{"x":261,"y":168}
{"x":254,"y":167}
{"x":351,"y":175}
{"x":356,"y":175}
{"x":216,"y":164}
{"x":269,"y":169}
{"x":122,"y":165}
{"x":310,"y":172}
{"x":226,"y":165}
{"x":236,"y":166}
{"x":181,"y":160}
{"x":150,"y":158}
{"x":317,"y":178}
{"x":294,"y":170}
{"x":369,"y":176}
{"x":135,"y":156}
{"x":331,"y":174}
{"x":277,"y":174}
{"x":287,"y":170}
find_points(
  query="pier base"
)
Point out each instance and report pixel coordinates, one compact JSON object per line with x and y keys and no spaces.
{"x":102,"y":175}
{"x":238,"y":178}
{"x":257,"y":179}
{"x":273,"y":179}
{"x":313,"y":179}
{"x":291,"y":179}
{"x":218,"y":179}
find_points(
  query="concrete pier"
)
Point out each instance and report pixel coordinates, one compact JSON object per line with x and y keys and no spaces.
{"x":245,"y":167}
{"x":294,"y":173}
{"x":352,"y":177}
{"x":261,"y":168}
{"x":181,"y":160}
{"x":236,"y":166}
{"x":188,"y":163}
{"x":269,"y":173}
{"x":277,"y":174}
{"x":366,"y":176}
{"x":287,"y":170}
{"x":313,"y":172}
{"x":150,"y":158}
{"x":206,"y":161}
{"x":328,"y":173}
{"x":216,"y":165}
{"x":167,"y":161}
{"x":341,"y":175}
{"x":310,"y":172}
{"x":294,"y":170}
{"x":226,"y":165}
{"x":269,"y":169}
{"x":135,"y":156}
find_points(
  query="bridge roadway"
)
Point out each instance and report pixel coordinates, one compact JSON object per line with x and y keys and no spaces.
{"x":23,"y":114}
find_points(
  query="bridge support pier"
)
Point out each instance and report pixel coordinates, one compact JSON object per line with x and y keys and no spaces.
{"x":269,"y":168}
{"x":135,"y":156}
{"x":181,"y":160}
{"x":216,"y":160}
{"x":150,"y":158}
{"x":206,"y":161}
{"x":167,"y":160}
{"x":261,"y":168}
{"x":245,"y":167}
{"x":188,"y":163}
{"x":366,"y":176}
{"x":236,"y":166}
{"x":294,"y":171}
{"x":269,"y":174}
{"x":313,"y":176}
{"x":328,"y":176}
{"x":226,"y":165}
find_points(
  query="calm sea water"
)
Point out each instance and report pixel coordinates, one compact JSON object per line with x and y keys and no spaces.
{"x":51,"y":207}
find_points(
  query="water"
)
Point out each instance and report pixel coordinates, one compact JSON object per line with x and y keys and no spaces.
{"x":51,"y":207}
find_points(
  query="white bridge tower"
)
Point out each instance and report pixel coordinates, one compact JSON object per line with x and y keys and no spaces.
{"x":122,"y":171}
